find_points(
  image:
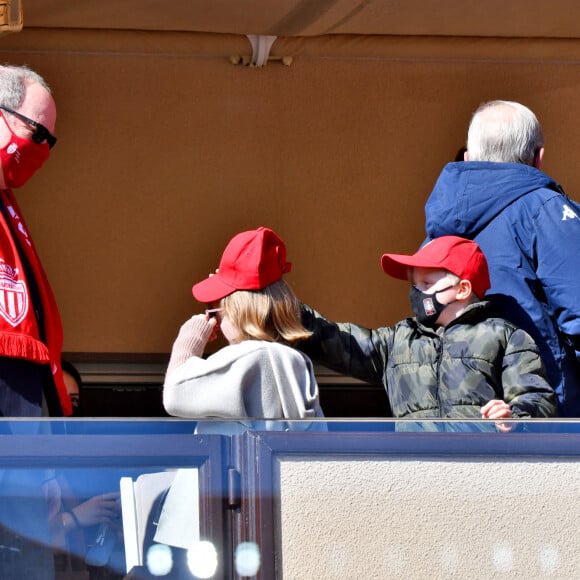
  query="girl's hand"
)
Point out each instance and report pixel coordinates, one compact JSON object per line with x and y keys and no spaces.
{"x":213,"y":320}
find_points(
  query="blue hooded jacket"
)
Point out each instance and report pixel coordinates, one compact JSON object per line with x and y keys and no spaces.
{"x":529,"y":231}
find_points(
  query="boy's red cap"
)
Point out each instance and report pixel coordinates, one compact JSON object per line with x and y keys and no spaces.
{"x":251,"y":261}
{"x":459,"y":256}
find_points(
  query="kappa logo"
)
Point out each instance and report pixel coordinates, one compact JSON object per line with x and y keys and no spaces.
{"x":568,"y":213}
{"x":13,"y":295}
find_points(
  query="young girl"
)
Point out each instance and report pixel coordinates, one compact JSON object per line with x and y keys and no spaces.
{"x":259,"y":375}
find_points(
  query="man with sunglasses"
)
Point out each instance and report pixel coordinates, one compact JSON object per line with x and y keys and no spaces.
{"x":31,"y":382}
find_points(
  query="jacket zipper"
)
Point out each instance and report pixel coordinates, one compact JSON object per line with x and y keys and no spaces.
{"x":438,"y":374}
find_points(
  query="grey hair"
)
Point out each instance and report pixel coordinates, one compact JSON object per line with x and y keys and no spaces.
{"x":504,"y":131}
{"x":13,"y":82}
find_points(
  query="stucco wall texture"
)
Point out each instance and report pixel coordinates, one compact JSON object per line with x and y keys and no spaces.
{"x":428,"y":518}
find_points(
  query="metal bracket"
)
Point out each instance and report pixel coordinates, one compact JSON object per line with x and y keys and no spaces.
{"x":261,"y":46}
{"x":234,"y":489}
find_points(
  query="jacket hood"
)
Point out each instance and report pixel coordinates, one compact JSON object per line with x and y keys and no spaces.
{"x":468,"y":195}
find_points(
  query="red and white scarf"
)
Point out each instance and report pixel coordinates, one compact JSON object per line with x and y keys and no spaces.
{"x":19,"y":332}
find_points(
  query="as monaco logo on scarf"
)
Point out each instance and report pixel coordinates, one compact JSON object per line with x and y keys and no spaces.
{"x":13,"y":295}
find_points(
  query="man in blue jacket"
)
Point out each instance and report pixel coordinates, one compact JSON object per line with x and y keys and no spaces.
{"x":528,"y":229}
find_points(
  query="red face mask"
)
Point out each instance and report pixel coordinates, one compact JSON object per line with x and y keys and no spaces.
{"x":20,"y":158}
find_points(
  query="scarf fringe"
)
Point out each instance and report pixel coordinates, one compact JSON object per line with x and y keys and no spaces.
{"x":21,"y":346}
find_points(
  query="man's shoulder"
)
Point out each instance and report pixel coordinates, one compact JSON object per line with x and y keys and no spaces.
{"x":549,"y":201}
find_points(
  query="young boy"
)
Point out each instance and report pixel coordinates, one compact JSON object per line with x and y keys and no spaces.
{"x":452,"y":360}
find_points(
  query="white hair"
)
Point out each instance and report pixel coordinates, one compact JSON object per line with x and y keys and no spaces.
{"x":504,"y":131}
{"x":13,"y":82}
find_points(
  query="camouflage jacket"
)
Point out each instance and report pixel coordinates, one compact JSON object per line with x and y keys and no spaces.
{"x":447,"y":373}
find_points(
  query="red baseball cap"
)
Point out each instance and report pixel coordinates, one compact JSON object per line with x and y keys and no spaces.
{"x":459,"y":256}
{"x":251,"y":261}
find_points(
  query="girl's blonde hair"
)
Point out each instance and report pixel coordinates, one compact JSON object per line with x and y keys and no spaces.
{"x":271,"y":314}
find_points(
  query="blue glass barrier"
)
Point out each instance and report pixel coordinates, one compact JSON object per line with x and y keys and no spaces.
{"x":170,"y":498}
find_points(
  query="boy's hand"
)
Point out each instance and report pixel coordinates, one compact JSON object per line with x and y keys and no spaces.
{"x":496,"y":409}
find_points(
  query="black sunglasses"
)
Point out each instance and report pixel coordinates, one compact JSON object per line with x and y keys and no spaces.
{"x":40,"y":133}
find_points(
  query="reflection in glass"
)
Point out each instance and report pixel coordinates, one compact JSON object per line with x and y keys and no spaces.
{"x":159,"y":560}
{"x":202,"y":559}
{"x":247,"y":559}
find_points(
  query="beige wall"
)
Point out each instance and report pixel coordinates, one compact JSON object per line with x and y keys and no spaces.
{"x":428,"y":518}
{"x":166,"y":150}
